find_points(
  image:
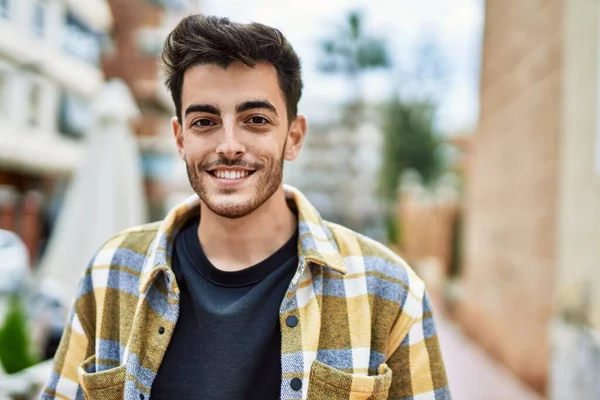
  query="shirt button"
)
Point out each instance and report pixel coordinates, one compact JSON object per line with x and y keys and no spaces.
{"x":296,"y":384}
{"x":161,"y":330}
{"x":291,"y":321}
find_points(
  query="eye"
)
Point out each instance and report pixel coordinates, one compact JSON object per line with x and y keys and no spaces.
{"x":203,"y":123}
{"x":258,"y":120}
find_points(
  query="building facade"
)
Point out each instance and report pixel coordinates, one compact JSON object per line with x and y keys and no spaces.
{"x":530,"y":279}
{"x":139,"y":30}
{"x":575,"y":326}
{"x":49,"y":73}
{"x":338,"y":172}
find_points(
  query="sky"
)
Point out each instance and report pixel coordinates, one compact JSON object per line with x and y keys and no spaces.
{"x":456,"y":26}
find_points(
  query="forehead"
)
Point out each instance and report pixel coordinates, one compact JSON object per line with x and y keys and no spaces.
{"x":226,"y":87}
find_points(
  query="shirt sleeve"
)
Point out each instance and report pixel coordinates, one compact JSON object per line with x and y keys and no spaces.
{"x":417,"y":366}
{"x":76,"y":345}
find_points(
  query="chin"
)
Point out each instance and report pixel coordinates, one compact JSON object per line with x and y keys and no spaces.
{"x":234,"y":205}
{"x":231,"y":210}
{"x":229,"y":199}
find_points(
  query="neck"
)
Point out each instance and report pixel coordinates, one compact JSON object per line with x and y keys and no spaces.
{"x":236,"y":244}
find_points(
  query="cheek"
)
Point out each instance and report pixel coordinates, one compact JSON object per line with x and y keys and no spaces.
{"x":195,"y":150}
{"x":267,"y":148}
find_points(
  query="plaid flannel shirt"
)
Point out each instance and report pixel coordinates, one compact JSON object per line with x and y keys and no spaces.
{"x":365,"y":327}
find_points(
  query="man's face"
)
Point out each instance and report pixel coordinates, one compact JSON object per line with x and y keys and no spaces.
{"x":234,"y":136}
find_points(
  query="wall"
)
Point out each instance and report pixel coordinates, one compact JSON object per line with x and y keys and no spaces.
{"x":576,"y":325}
{"x":128,"y":62}
{"x":510,"y":256}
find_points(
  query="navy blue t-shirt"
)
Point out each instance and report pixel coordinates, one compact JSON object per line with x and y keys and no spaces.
{"x":227,"y":340}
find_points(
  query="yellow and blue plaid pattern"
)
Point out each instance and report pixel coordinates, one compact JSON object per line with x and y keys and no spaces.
{"x":365,"y":327}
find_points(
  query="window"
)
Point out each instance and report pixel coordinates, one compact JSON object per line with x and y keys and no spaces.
{"x":39,"y":18}
{"x":5,"y":9}
{"x":175,"y":5}
{"x":80,"y":41}
{"x":157,"y":167}
{"x":150,"y":41}
{"x":74,"y":115}
{"x":34,"y":104}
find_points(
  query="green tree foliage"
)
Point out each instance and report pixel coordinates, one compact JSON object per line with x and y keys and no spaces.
{"x":350,"y":51}
{"x":15,"y":352}
{"x":410,"y":141}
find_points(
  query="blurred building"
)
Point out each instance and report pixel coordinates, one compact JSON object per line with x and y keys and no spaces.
{"x":49,"y":71}
{"x":531,"y":277}
{"x":338,"y":172}
{"x":139,"y":30}
{"x":462,"y":147}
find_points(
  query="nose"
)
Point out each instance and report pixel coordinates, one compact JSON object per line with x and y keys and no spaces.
{"x":230,"y":146}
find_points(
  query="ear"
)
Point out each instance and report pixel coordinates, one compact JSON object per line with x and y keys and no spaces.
{"x":295,"y":138}
{"x":178,"y":133}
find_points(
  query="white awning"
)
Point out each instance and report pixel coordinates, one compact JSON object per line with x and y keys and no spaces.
{"x":106,"y":190}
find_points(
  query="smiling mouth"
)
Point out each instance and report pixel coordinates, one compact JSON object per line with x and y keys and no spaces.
{"x":230,"y":174}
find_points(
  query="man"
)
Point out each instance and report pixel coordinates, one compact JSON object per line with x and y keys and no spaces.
{"x":243,"y":291}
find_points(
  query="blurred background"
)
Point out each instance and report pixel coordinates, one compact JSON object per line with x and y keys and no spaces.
{"x":464,"y":135}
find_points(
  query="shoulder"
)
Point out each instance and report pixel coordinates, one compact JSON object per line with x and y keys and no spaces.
{"x":127,"y":247}
{"x":387,"y":275}
{"x":118,"y":262}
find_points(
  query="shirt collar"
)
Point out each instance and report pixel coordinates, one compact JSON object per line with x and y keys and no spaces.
{"x":316,"y":241}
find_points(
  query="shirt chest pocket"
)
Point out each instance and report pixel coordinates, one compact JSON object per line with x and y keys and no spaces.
{"x":105,"y":385}
{"x":328,"y":383}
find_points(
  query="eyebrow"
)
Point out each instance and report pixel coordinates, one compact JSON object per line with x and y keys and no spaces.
{"x":254,"y":104}
{"x":240,"y":108}
{"x":207,"y":108}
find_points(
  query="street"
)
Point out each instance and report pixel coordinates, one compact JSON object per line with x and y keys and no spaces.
{"x":473,"y":374}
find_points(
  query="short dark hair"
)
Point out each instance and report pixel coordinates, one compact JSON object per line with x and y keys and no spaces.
{"x":199,"y":39}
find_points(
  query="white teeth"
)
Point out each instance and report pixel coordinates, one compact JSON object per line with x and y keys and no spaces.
{"x":221,"y":174}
